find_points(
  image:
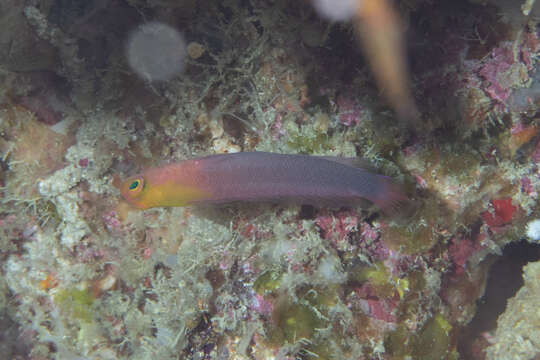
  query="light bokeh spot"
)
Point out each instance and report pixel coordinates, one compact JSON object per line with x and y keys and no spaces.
{"x":336,"y":10}
{"x":156,"y":51}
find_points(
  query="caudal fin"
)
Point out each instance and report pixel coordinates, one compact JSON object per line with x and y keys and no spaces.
{"x":392,"y":199}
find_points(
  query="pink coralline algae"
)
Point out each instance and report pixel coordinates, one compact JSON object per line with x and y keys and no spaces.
{"x":369,"y":232}
{"x":249,"y":230}
{"x":527,"y":187}
{"x":420,"y":181}
{"x":89,"y":254}
{"x":371,"y":244}
{"x":46,"y":106}
{"x":506,"y":69}
{"x":496,"y":70}
{"x":535,"y":156}
{"x":83,"y":162}
{"x":531,"y":45}
{"x":517,"y":128}
{"x":460,"y":250}
{"x":112,"y":221}
{"x":147,"y":253}
{"x":277,"y":129}
{"x":337,"y":226}
{"x":261,"y":306}
{"x":501,"y":212}
{"x":492,"y":80}
{"x":400,"y":264}
{"x":349,"y":111}
{"x":380,"y":308}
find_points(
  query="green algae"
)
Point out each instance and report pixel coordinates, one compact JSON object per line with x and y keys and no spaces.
{"x":433,"y":342}
{"x":320,"y":298}
{"x":396,"y":343}
{"x":419,"y":236}
{"x":293,"y":321}
{"x":377,"y":276}
{"x":410,"y":241}
{"x":459,"y":163}
{"x":305,"y":144}
{"x":76,"y":303}
{"x":382,"y":282}
{"x":416,"y":281}
{"x":299,"y":320}
{"x":48,"y":213}
{"x":267,"y":282}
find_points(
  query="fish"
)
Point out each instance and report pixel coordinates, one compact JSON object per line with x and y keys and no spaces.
{"x":381,"y":34}
{"x":261,"y":177}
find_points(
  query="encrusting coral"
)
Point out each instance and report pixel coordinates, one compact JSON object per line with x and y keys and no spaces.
{"x":85,"y":275}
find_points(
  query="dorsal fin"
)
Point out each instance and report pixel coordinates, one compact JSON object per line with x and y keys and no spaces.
{"x":352,"y":161}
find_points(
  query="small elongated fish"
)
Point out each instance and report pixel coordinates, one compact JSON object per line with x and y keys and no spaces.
{"x":261,"y":177}
{"x":381,"y":33}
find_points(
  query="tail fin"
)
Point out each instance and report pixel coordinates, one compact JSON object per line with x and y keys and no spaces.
{"x":392,"y":199}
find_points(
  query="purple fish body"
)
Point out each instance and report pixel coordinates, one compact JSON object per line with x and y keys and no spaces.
{"x":304,"y":179}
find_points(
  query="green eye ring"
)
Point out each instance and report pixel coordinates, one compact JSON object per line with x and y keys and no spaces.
{"x":136,"y":186}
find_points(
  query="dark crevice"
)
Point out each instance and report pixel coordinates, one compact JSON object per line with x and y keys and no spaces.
{"x":505,"y":279}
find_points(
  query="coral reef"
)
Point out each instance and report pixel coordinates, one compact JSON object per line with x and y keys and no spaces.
{"x":517,"y":329}
{"x":84,"y":275}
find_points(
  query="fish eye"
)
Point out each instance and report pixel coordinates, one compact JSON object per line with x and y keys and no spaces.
{"x":136,"y":186}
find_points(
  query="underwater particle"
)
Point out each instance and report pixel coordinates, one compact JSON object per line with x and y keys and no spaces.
{"x":336,"y":10}
{"x":533,"y":230}
{"x":156,"y":52}
{"x":195,"y":50}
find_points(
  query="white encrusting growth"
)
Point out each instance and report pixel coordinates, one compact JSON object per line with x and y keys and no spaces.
{"x":533,"y":230}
